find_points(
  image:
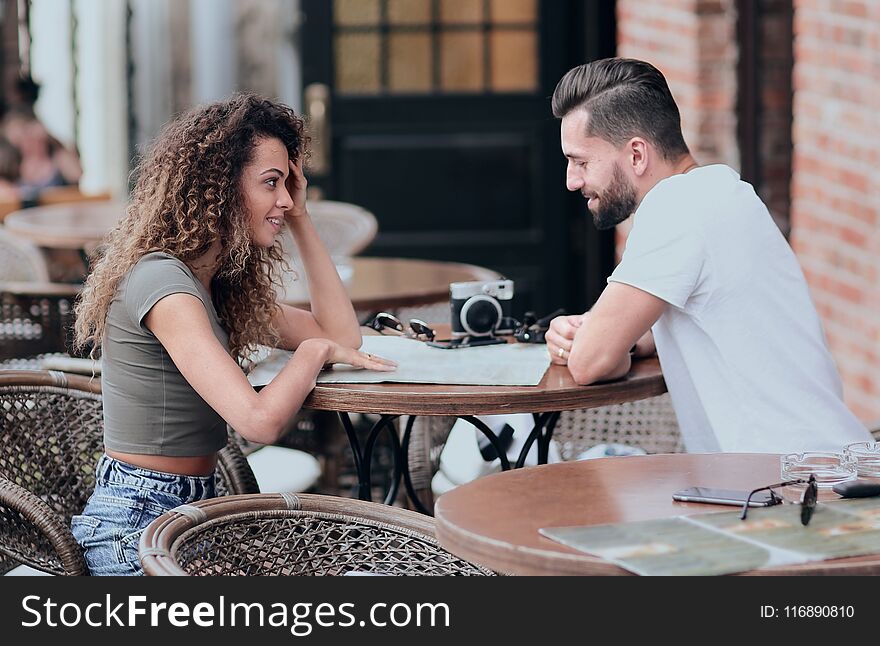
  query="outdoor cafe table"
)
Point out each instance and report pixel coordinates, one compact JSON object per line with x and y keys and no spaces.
{"x":494,"y":521}
{"x":556,"y":392}
{"x":74,"y":225}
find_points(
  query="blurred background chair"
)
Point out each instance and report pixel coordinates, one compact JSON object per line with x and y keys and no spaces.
{"x":36,"y":320}
{"x":21,"y":260}
{"x":346,"y":229}
{"x":51,"y":436}
{"x":269,"y":534}
{"x":648,"y":424}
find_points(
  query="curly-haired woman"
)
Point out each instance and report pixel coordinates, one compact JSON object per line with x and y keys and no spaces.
{"x":183,"y":291}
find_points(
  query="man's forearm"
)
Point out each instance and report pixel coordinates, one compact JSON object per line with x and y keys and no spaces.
{"x":588,"y":370}
{"x":645,"y":346}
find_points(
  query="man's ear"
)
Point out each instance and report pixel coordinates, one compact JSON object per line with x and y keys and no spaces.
{"x":638,"y":152}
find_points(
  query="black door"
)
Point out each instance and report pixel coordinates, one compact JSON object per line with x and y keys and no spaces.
{"x":438,"y":121}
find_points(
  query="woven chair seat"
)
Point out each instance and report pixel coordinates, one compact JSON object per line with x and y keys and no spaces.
{"x":290,"y":534}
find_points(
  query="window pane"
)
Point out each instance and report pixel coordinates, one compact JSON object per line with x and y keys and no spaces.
{"x":409,"y":63}
{"x":357,"y":63}
{"x":409,"y":12}
{"x":514,"y":56}
{"x":461,"y":61}
{"x":513,"y":10}
{"x":461,"y":11}
{"x":356,"y":12}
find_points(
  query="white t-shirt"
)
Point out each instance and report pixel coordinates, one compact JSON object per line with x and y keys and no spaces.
{"x":741,"y":345}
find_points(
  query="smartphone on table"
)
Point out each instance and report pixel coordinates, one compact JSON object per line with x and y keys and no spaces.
{"x":726,"y":497}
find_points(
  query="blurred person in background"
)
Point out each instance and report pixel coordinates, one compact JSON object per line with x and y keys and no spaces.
{"x":45,"y":162}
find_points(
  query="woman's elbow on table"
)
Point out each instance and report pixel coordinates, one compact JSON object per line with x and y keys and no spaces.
{"x":261,"y":427}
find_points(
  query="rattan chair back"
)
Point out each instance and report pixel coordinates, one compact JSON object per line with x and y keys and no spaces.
{"x":295,"y":534}
{"x":51,"y":436}
{"x":345,"y":229}
{"x":649,"y":424}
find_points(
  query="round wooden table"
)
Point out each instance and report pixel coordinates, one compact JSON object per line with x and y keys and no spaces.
{"x":390,"y":283}
{"x":73,"y":225}
{"x":556,"y":392}
{"x":494,"y":521}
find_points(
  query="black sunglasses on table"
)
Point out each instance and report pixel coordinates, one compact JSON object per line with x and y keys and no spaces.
{"x":383,"y":321}
{"x":808,"y":502}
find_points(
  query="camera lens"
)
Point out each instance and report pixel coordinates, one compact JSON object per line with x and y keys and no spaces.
{"x":480,"y":315}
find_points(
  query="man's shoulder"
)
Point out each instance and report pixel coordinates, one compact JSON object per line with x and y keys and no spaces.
{"x":690,"y":199}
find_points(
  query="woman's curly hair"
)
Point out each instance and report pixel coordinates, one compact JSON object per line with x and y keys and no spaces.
{"x":187,"y":196}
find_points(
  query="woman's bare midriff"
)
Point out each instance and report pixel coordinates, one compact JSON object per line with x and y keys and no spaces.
{"x":197,"y":465}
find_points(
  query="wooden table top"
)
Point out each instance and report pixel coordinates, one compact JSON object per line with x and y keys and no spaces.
{"x":390,"y":283}
{"x":556,"y":392}
{"x":494,"y":521}
{"x":66,"y":226}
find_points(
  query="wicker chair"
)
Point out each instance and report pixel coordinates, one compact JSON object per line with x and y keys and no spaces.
{"x":20,"y":260}
{"x":51,"y":435}
{"x":294,"y":534}
{"x":649,"y":424}
{"x":345,"y":228}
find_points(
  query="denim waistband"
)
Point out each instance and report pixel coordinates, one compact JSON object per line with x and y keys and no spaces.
{"x":116,"y":472}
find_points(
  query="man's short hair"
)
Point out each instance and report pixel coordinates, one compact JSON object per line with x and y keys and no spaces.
{"x":625,"y":98}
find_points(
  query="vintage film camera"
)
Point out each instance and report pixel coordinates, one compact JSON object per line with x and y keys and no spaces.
{"x":481,"y":308}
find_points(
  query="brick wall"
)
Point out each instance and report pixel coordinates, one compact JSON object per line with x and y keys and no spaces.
{"x":836,"y":183}
{"x":693,"y":43}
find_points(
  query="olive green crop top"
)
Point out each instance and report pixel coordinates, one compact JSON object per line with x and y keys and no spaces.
{"x":149,"y":407}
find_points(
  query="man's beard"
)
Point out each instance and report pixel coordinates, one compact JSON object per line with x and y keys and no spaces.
{"x":616,"y":203}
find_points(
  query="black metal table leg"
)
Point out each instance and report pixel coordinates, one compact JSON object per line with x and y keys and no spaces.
{"x":542,"y":433}
{"x":404,"y":456}
{"x":363,"y":458}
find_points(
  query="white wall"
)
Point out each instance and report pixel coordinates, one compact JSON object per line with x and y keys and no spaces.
{"x":101,"y":74}
{"x":52,"y":67}
{"x":152,"y":83}
{"x":101,"y":84}
{"x":214,"y":69}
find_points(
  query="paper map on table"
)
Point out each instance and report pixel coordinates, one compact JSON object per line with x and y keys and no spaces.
{"x":721,"y":543}
{"x":511,"y":364}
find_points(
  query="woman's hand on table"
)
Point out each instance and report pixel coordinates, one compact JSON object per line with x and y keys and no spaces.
{"x":341,"y":354}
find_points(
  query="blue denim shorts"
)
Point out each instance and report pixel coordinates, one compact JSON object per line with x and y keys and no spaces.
{"x":127,"y":499}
